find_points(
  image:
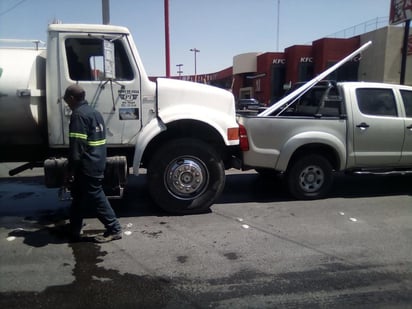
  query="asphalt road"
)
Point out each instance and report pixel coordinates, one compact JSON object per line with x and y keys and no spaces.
{"x":257,"y":248}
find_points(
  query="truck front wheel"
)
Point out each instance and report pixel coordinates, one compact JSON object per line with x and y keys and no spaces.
{"x":185,"y":176}
{"x":310,"y":177}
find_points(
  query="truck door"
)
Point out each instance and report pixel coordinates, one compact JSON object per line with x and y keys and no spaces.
{"x":105,"y":69}
{"x":378,"y":131}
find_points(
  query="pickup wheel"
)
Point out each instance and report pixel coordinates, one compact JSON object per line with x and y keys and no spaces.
{"x":185,"y":176}
{"x":310,"y":177}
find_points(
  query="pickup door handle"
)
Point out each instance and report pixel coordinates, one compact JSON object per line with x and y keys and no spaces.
{"x":409,"y":127}
{"x":363,"y":125}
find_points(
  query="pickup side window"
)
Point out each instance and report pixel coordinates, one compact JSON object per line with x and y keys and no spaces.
{"x":407,"y":102}
{"x":376,"y":102}
{"x":85,"y":59}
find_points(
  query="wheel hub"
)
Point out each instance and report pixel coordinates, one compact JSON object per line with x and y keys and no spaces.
{"x":312,"y":178}
{"x":186,"y":178}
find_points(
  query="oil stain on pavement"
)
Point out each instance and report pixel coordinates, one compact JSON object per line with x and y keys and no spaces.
{"x":96,"y":287}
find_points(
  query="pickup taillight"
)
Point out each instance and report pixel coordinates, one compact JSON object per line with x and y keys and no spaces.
{"x":243,"y":140}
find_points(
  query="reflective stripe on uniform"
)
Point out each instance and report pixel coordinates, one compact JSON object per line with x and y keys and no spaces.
{"x":78,"y":135}
{"x":82,"y":136}
{"x":97,"y":143}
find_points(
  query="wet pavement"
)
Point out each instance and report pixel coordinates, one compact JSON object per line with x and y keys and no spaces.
{"x":256,"y":249}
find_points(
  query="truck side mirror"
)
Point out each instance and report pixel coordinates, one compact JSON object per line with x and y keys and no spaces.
{"x":109,"y":60}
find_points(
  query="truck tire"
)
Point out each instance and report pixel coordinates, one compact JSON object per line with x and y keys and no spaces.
{"x":185,"y":176}
{"x":309,"y":177}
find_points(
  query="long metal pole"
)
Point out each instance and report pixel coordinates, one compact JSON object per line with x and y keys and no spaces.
{"x":167,"y":40}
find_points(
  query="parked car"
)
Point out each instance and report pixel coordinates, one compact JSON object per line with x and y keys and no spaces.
{"x":244,"y":104}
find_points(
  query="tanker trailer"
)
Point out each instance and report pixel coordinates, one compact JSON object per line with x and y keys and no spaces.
{"x":23,"y":122}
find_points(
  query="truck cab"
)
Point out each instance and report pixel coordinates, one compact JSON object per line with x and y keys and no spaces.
{"x":184,"y":134}
{"x":103,"y":61}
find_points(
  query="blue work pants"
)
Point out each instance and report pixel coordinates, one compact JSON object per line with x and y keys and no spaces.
{"x":87,"y":193}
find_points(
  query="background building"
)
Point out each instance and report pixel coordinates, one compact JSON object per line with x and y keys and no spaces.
{"x":266,"y":76}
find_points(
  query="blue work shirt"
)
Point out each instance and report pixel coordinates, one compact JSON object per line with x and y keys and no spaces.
{"x":87,"y":136}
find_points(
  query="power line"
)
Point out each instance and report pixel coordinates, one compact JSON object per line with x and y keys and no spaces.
{"x":12,"y":8}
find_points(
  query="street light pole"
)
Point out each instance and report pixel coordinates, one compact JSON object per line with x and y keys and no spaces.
{"x":106,"y":12}
{"x":179,"y":70}
{"x":195,"y":51}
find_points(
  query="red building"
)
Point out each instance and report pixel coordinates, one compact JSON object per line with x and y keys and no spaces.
{"x":276,"y":72}
{"x":266,"y":76}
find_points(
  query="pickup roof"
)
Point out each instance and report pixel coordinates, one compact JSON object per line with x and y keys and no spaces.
{"x":346,"y":126}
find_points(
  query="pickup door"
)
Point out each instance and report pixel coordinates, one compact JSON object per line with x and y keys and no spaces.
{"x":379,"y":127}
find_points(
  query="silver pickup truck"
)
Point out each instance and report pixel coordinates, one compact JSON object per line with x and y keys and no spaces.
{"x":347,"y":126}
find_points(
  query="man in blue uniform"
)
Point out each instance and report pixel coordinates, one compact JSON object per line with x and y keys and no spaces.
{"x":87,"y":160}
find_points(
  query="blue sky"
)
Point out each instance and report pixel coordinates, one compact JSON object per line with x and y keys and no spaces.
{"x":220,"y":29}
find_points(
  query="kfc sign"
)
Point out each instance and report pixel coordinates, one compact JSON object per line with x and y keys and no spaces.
{"x":306,"y":59}
{"x":278,"y":61}
{"x":401,"y":11}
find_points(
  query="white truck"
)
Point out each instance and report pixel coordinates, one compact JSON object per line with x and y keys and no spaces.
{"x":183,"y":133}
{"x":323,"y":127}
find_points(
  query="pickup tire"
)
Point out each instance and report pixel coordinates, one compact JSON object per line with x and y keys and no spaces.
{"x":185,"y":176}
{"x":309,"y":177}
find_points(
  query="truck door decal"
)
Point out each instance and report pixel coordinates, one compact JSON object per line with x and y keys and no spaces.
{"x":128,"y":101}
{"x":128,"y":113}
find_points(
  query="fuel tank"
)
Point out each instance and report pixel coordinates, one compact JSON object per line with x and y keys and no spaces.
{"x":23,"y":123}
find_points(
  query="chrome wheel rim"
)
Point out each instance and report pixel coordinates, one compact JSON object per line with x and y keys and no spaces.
{"x":186,"y":178}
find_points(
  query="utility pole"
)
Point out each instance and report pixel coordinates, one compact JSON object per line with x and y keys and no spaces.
{"x":106,"y":12}
{"x":195,"y":51}
{"x":167,"y":40}
{"x":277,"y":29}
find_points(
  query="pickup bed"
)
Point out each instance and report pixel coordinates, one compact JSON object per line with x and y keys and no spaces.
{"x":348,"y":126}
